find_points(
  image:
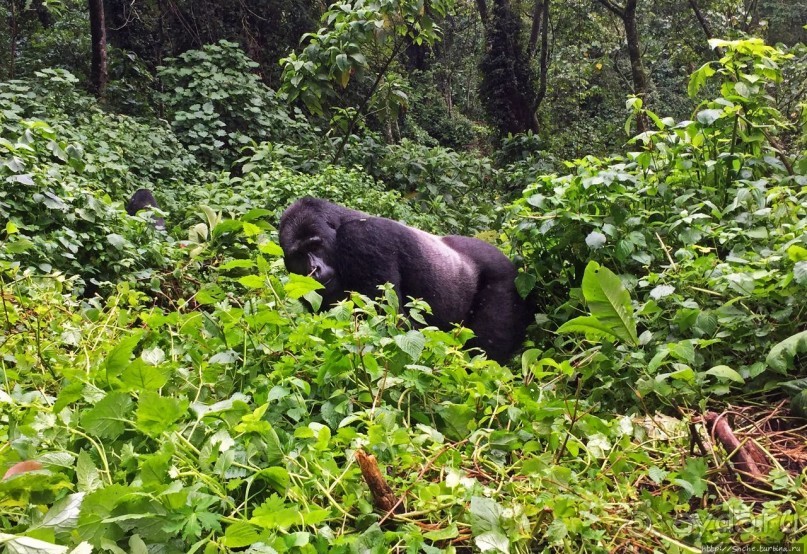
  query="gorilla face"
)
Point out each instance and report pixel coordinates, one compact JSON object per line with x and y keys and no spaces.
{"x":464,"y":280}
{"x":309,"y":247}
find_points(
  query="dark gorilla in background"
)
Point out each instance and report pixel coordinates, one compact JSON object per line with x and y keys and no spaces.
{"x":141,"y":200}
{"x":464,"y":280}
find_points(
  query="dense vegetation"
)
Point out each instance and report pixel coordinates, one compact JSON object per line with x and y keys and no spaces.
{"x":167,"y":391}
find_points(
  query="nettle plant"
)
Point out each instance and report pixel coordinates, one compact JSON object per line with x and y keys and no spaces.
{"x":705,"y":225}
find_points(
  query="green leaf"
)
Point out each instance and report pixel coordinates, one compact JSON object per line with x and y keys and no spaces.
{"x":707,"y":117}
{"x":449,"y":532}
{"x":277,"y":477}
{"x":108,"y":417}
{"x":253,"y":281}
{"x":725,"y":373}
{"x":798,"y":404}
{"x":300,"y":285}
{"x":525,"y":282}
{"x":609,"y":302}
{"x":782,"y":354}
{"x":240,"y":534}
{"x":156,"y":414}
{"x":141,"y":376}
{"x":592,"y":327}
{"x":412,"y":343}
{"x":118,"y":358}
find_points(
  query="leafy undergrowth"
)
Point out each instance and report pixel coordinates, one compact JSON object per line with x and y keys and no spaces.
{"x":236,"y":424}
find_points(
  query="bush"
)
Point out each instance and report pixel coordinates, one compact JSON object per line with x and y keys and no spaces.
{"x":217,"y":105}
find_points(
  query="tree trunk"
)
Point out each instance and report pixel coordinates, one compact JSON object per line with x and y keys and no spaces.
{"x":701,"y":19}
{"x":640,"y":86}
{"x":535,"y":29}
{"x":640,"y":82}
{"x":544,"y":61}
{"x":98,"y":67}
{"x":12,"y":38}
{"x":482,"y":6}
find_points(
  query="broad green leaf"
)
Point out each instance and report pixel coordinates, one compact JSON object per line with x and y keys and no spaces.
{"x":277,"y":477}
{"x":798,"y":404}
{"x":253,"y":281}
{"x":63,"y":515}
{"x":299,"y":285}
{"x":107,"y":419}
{"x":609,"y":302}
{"x":140,"y":376}
{"x":589,"y":325}
{"x":156,"y":414}
{"x":446,"y":533}
{"x":725,"y":373}
{"x":525,"y":282}
{"x":240,"y":534}
{"x":88,"y":478}
{"x":412,"y":343}
{"x":782,"y":354}
{"x":118,"y":358}
{"x":18,"y":544}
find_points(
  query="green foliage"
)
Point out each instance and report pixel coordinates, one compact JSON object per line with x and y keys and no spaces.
{"x":58,"y":219}
{"x":705,"y":225}
{"x":217,"y":105}
{"x":341,"y":47}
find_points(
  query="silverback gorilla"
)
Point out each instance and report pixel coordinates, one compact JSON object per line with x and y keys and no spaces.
{"x":464,"y":280}
{"x":143,"y":199}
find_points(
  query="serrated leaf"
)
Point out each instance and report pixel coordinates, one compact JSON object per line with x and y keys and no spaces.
{"x":88,"y":477}
{"x":156,"y":414}
{"x":525,"y":282}
{"x":589,"y":325}
{"x":240,"y":534}
{"x":300,"y":285}
{"x":107,"y":418}
{"x":253,"y":281}
{"x":118,"y":358}
{"x":412,"y":343}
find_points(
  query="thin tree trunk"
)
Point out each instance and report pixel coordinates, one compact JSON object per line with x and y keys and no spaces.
{"x":637,"y":71}
{"x":701,"y":19}
{"x":482,"y":6}
{"x":544,"y":61}
{"x":640,"y":82}
{"x":535,"y":30}
{"x":98,"y":65}
{"x":12,"y":38}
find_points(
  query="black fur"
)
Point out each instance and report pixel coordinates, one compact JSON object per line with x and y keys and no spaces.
{"x":143,"y":199}
{"x":464,"y":280}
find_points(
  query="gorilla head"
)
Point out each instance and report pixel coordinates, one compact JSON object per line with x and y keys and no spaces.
{"x":464,"y":280}
{"x":143,"y":199}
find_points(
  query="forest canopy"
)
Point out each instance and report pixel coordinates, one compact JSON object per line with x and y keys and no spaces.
{"x":167,"y":387}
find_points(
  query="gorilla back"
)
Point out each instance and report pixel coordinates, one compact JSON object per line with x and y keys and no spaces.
{"x":143,"y":199}
{"x":464,"y":280}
